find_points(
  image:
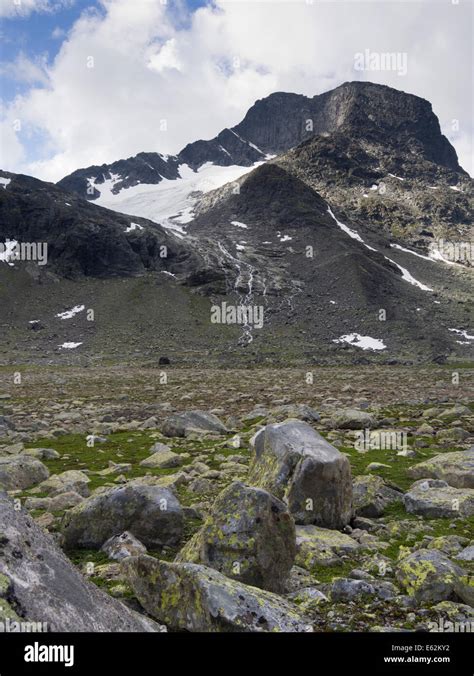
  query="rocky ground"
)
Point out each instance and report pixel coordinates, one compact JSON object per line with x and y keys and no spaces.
{"x":331,"y":499}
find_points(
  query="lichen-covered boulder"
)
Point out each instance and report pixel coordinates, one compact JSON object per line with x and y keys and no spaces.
{"x":429,"y":576}
{"x":71,"y":480}
{"x":434,"y":499}
{"x":183,"y":424}
{"x":249,"y":536}
{"x":345,"y":590}
{"x":352,"y":419}
{"x":151,"y":513}
{"x":371,"y":496}
{"x":457,"y":468}
{"x":195,"y":598}
{"x":296,"y":464}
{"x":322,"y":547}
{"x":19,"y":472}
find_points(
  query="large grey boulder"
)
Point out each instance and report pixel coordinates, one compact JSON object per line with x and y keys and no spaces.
{"x":21,"y":472}
{"x":296,"y":464}
{"x":249,"y":536}
{"x":183,"y":424}
{"x":151,"y":513}
{"x":430,"y":576}
{"x":457,"y":468}
{"x":191,"y":597}
{"x":47,"y":588}
{"x":434,"y":499}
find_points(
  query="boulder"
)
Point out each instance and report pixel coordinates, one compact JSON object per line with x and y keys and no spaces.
{"x":192,"y":597}
{"x":151,"y":513}
{"x":183,"y":424}
{"x":42,"y":453}
{"x":434,"y":499}
{"x":248,"y":536}
{"x":72,"y":480}
{"x":21,"y":472}
{"x":352,"y":419}
{"x":345,"y":590}
{"x":297,"y":465}
{"x":322,"y":547}
{"x":371,"y":496}
{"x":162,"y":460}
{"x":119,"y":547}
{"x":429,"y":576}
{"x":457,"y":468}
{"x":48,"y":589}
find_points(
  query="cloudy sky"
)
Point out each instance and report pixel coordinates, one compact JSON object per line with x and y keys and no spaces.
{"x":91,"y":81}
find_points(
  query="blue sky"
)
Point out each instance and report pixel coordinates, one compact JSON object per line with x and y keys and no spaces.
{"x":41,"y":34}
{"x":200,"y":65}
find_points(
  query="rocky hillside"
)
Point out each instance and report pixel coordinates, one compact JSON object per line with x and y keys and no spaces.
{"x":336,"y":233}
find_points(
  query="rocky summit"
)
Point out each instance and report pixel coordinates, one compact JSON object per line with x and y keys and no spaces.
{"x":236,"y":381}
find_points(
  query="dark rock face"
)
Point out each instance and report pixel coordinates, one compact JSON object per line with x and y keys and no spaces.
{"x":143,"y":168}
{"x":43,"y":586}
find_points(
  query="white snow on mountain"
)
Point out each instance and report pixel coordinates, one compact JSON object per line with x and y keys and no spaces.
{"x":70,"y":346}
{"x":238,"y":224}
{"x":467,"y":337}
{"x":4,"y":182}
{"x":68,"y":314}
{"x":364,"y":342}
{"x":169,"y":202}
{"x":134,"y":226}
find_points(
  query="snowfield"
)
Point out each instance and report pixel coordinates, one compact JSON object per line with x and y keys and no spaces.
{"x":170,"y":202}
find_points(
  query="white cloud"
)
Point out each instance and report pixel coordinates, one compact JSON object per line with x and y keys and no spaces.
{"x":203,"y":74}
{"x":19,"y":8}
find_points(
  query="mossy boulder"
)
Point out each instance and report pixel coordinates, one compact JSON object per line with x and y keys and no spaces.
{"x":371,"y":496}
{"x":296,"y":464}
{"x":429,"y":576}
{"x":71,"y":480}
{"x":457,"y":468}
{"x":195,"y":598}
{"x":20,"y":472}
{"x":151,"y":513}
{"x":322,"y":547}
{"x":249,"y":536}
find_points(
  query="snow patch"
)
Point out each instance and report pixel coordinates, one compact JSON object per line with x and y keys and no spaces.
{"x":352,"y":233}
{"x":69,"y":346}
{"x":238,"y":224}
{"x":134,"y":226}
{"x":4,"y":182}
{"x":364,"y":342}
{"x":68,"y":314}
